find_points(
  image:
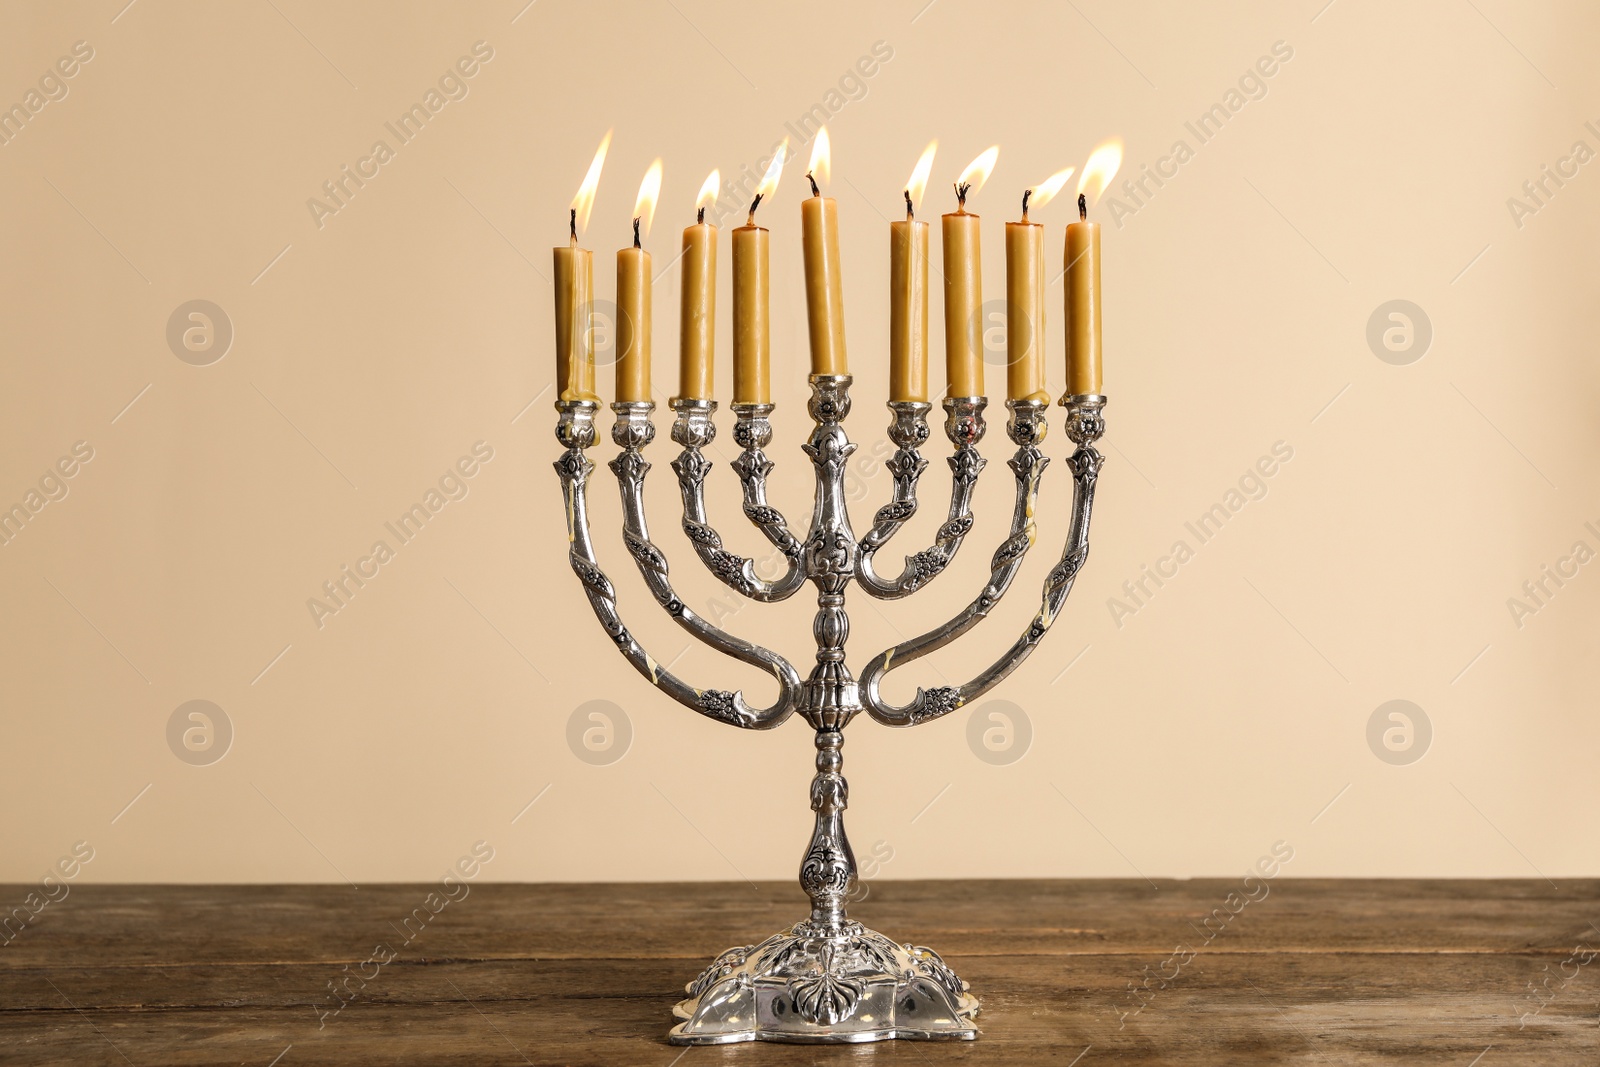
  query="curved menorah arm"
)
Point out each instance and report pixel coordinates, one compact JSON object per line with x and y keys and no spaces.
{"x":1084,"y":426}
{"x":693,"y":429}
{"x":965,"y":427}
{"x":633,"y":430}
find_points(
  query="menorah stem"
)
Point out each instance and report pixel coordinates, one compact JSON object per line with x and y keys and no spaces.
{"x":831,"y":696}
{"x":828,"y":873}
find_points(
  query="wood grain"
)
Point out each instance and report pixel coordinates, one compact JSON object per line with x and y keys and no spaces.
{"x":1316,"y":972}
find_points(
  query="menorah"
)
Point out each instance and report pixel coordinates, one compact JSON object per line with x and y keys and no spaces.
{"x":828,"y":978}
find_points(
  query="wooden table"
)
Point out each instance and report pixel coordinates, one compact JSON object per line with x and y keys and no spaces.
{"x":1316,"y":972}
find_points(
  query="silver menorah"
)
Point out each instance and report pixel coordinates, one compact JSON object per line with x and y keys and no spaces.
{"x":828,"y":978}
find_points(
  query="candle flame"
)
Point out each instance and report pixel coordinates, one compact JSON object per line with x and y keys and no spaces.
{"x":919,"y":176}
{"x":644,"y":208}
{"x":978,"y":170}
{"x":1047,"y":189}
{"x":584,"y":201}
{"x":821,"y":166}
{"x":769,"y":181}
{"x":708,"y":191}
{"x":1103,"y":164}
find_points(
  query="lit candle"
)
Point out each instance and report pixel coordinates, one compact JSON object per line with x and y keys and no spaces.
{"x":1083,"y":304}
{"x":908,"y":292}
{"x":633,"y":298}
{"x":819,"y":239}
{"x":1025,"y":337}
{"x":963,"y":285}
{"x":752,"y":330}
{"x":1024,"y":307}
{"x":1083,"y":275}
{"x":697,"y":321}
{"x":574,"y":289}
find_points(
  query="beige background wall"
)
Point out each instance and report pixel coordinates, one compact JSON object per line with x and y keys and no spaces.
{"x":1231,"y":710}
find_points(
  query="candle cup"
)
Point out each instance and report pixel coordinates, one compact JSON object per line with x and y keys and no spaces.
{"x":752,"y":428}
{"x":633,"y":428}
{"x":964,"y":423}
{"x":1027,"y":424}
{"x":1085,"y":421}
{"x":693,"y":427}
{"x":908,"y":425}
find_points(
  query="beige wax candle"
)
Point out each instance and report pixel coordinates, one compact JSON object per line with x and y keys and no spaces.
{"x":908,"y":308}
{"x":574,"y":289}
{"x":1083,"y":304}
{"x":697,"y":322}
{"x":963,"y":297}
{"x":752,"y":334}
{"x":633,"y":323}
{"x":1025,"y":308}
{"x":819,"y":241}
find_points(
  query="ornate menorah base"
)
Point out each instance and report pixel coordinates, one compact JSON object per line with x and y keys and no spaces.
{"x":827,"y":987}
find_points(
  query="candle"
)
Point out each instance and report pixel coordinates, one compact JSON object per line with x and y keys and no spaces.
{"x":752,"y":335}
{"x":574,"y":284}
{"x":633,"y":322}
{"x":698,"y":318}
{"x":574,"y":292}
{"x":963,"y":295}
{"x":633,"y":298}
{"x":819,"y":241}
{"x":1083,"y":275}
{"x":908,"y":293}
{"x":963,"y":285}
{"x":752,"y":332}
{"x":1025,"y":307}
{"x":1083,"y":304}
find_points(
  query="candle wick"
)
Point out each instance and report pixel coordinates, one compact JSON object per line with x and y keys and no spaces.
{"x":636,"y":233}
{"x":751,"y":221}
{"x":911,"y":212}
{"x":1026,"y":194}
{"x":814,"y":190}
{"x":574,"y":224}
{"x":1083,"y":207}
{"x":700,"y":215}
{"x":962,"y":188}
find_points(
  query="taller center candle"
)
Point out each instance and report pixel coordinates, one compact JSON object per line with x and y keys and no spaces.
{"x":819,"y":238}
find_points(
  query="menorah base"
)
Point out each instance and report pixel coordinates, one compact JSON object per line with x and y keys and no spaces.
{"x":813,"y":985}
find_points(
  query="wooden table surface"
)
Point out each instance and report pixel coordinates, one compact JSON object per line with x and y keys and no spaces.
{"x":1465,"y":973}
